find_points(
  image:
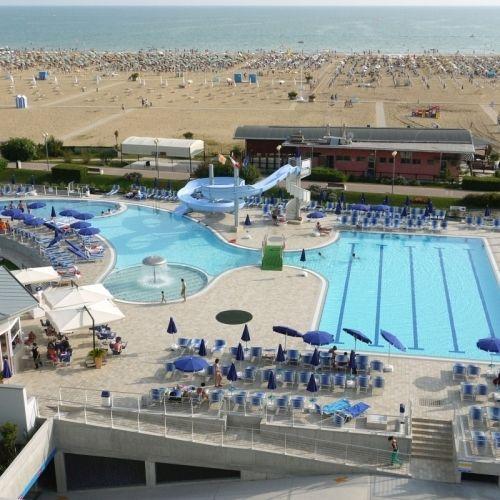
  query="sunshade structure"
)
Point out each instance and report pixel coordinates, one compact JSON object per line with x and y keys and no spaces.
{"x":6,"y":371}
{"x":57,"y":298}
{"x":315,"y":215}
{"x":487,"y":211}
{"x":89,"y":231}
{"x":171,"y":328}
{"x":173,"y":148}
{"x":271,"y":383}
{"x":84,"y":216}
{"x":489,"y":344}
{"x":34,"y":275}
{"x":35,"y":222}
{"x":317,"y":337}
{"x":240,"y":355}
{"x":190,"y":364}
{"x":280,"y":356}
{"x":81,"y":224}
{"x":69,"y":212}
{"x":338,"y":208}
{"x":361,"y":207}
{"x":245,"y":336}
{"x":11,"y":212}
{"x":357,"y":336}
{"x":391,"y":339}
{"x":232,"y":374}
{"x":202,"y":351}
{"x":36,"y":204}
{"x":312,"y":386}
{"x":287,"y":331}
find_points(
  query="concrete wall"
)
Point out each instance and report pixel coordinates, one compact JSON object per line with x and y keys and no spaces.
{"x":16,"y":408}
{"x":29,"y":464}
{"x":21,"y":255}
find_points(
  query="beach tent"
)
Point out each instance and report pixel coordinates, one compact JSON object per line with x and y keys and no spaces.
{"x":33,"y":275}
{"x":21,"y":102}
{"x":173,"y":148}
{"x":75,"y":296}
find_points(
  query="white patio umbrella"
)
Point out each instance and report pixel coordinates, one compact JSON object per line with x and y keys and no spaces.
{"x":33,"y":275}
{"x":65,"y":297}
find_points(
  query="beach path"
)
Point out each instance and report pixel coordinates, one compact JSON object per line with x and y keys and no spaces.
{"x":380,"y":114}
{"x":490,"y":112}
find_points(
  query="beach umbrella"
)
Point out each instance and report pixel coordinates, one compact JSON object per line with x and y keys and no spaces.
{"x":240,"y":355}
{"x":34,"y":275}
{"x":315,"y":357}
{"x":6,"y":371}
{"x":404,"y":212}
{"x":53,"y":213}
{"x":84,"y":216}
{"x":489,"y":344}
{"x":245,"y":336}
{"x":357,"y":336}
{"x":68,"y":212}
{"x":352,"y":361}
{"x":392,"y":340}
{"x":36,"y":204}
{"x":361,"y":207}
{"x":202,"y":351}
{"x":280,"y":355}
{"x":232,"y":375}
{"x":362,"y":199}
{"x":171,"y":328}
{"x":317,"y":337}
{"x":430,"y":206}
{"x":315,"y":215}
{"x":89,"y":231}
{"x":35,"y":222}
{"x":407,"y":201}
{"x":303,"y":256}
{"x":386,"y":200}
{"x":11,"y":212}
{"x":338,"y":208}
{"x":312,"y":386}
{"x":342,"y":197}
{"x":190,"y":364}
{"x":271,"y":383}
{"x":426,"y":212}
{"x":248,"y":222}
{"x":287,"y":331}
{"x":80,"y":225}
{"x":381,"y":208}
{"x":487,"y":211}
{"x":22,"y":216}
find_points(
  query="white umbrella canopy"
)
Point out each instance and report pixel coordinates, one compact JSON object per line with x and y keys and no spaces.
{"x":73,"y":318}
{"x":34,"y":275}
{"x":57,"y":298}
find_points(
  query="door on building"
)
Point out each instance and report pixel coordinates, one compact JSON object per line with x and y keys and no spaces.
{"x":370,"y":171}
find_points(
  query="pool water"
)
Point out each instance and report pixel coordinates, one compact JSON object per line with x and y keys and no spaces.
{"x":437,"y":294}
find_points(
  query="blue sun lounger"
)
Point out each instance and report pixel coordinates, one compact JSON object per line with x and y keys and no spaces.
{"x":336,"y":406}
{"x":354,"y":411}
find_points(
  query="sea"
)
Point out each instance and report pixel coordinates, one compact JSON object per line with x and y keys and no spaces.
{"x":393,"y":30}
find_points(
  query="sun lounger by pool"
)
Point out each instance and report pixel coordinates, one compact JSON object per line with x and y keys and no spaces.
{"x":331,"y":408}
{"x":355,"y":411}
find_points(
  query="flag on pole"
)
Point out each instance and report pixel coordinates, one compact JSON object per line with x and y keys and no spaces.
{"x":234,"y":162}
{"x":222,"y":159}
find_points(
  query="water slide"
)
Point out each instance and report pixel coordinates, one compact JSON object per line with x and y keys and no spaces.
{"x":219,"y":193}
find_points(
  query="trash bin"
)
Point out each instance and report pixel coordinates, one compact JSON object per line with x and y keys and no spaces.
{"x":402,"y":411}
{"x":19,"y":165}
{"x":106,"y":399}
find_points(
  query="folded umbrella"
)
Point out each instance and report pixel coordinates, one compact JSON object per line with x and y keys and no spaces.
{"x":202,"y":351}
{"x":240,"y":355}
{"x":312,"y":386}
{"x":172,"y":328}
{"x":245,"y":336}
{"x":53,"y":213}
{"x":315,"y":357}
{"x":232,"y":375}
{"x":6,"y":371}
{"x":280,"y":355}
{"x":271,"y":383}
{"x":248,"y":222}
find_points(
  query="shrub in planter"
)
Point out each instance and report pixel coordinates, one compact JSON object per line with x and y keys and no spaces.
{"x":292,"y":95}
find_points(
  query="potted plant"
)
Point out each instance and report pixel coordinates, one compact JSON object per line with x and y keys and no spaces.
{"x":312,"y":98}
{"x":292,"y":95}
{"x":98,"y":356}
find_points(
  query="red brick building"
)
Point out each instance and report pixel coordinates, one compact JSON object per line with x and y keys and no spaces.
{"x":424,"y":154}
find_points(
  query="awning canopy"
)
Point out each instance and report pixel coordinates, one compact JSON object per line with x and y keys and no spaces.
{"x":75,"y":318}
{"x":33,"y":275}
{"x":75,"y":296}
{"x":173,"y":148}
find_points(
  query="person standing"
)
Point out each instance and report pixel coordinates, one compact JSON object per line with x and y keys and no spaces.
{"x":395,"y":452}
{"x":183,"y":289}
{"x":163,"y":301}
{"x":36,"y":356}
{"x":217,"y":373}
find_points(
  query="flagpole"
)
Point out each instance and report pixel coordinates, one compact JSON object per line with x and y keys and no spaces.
{"x":236,"y":201}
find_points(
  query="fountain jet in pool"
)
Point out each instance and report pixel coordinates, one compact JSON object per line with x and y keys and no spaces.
{"x":154,"y":261}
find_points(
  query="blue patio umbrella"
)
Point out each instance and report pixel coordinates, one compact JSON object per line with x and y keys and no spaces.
{"x":35,"y":222}
{"x":232,"y":374}
{"x":190,"y":364}
{"x":430,"y":206}
{"x":381,"y":208}
{"x":426,"y":212}
{"x":315,"y":215}
{"x":22,"y":216}
{"x":202,"y":351}
{"x":53,"y":213}
{"x":404,"y":212}
{"x":303,"y":256}
{"x":271,"y":383}
{"x":392,"y":340}
{"x":287,"y":331}
{"x":487,"y":211}
{"x":357,"y":336}
{"x":386,"y":200}
{"x":315,"y":357}
{"x":361,"y":207}
{"x":68,"y":212}
{"x":11,"y":212}
{"x":36,"y":204}
{"x":240,"y":355}
{"x":407,"y":201}
{"x":338,"y":208}
{"x":317,"y":337}
{"x":84,"y":216}
{"x":81,"y":224}
{"x":342,"y":197}
{"x":280,"y":355}
{"x":6,"y":371}
{"x":89,"y":231}
{"x":248,"y":222}
{"x":171,"y":328}
{"x":245,"y":336}
{"x":352,"y":361}
{"x":362,"y":198}
{"x":312,"y":386}
{"x":489,"y":344}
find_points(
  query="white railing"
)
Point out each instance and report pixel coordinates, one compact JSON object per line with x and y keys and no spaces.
{"x":213,"y":430}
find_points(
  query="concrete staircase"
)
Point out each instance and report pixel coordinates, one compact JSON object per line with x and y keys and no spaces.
{"x":432,"y":439}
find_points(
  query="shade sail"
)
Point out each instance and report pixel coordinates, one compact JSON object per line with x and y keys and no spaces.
{"x":34,"y":275}
{"x":74,"y":318}
{"x":57,"y":298}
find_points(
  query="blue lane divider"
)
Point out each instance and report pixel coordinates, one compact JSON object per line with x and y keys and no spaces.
{"x":481,"y":295}
{"x":379,"y":296}
{"x":448,"y":304}
{"x":344,"y":296}
{"x":413,"y":303}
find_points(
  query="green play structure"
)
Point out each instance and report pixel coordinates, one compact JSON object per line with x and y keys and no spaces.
{"x":272,"y":253}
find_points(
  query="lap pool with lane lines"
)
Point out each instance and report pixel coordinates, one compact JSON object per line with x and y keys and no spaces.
{"x":437,"y":294}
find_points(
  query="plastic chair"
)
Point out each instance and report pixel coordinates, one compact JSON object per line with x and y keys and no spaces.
{"x":255,"y":353}
{"x":249,"y":374}
{"x":363,"y":383}
{"x":467,"y":391}
{"x":493,"y":415}
{"x":240,"y":399}
{"x":216,"y":397}
{"x":338,"y":420}
{"x":481,"y":392}
{"x":475,"y":416}
{"x":378,"y":384}
{"x":282,"y":403}
{"x":339,"y":381}
{"x":479,"y":442}
{"x":288,"y":377}
{"x":297,"y":403}
{"x":219,"y":346}
{"x":377,"y":366}
{"x":326,"y":381}
{"x":473,"y":371}
{"x":169,"y":367}
{"x":362,"y":363}
{"x":303,"y":378}
{"x":459,"y":371}
{"x":293,"y":356}
{"x":257,"y":399}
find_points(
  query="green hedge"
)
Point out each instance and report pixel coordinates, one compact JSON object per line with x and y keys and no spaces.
{"x":481,"y":200}
{"x":69,"y":173}
{"x":481,"y":183}
{"x":326,"y":175}
{"x":23,"y":176}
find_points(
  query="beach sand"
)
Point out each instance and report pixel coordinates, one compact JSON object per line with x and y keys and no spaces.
{"x":212,"y":111}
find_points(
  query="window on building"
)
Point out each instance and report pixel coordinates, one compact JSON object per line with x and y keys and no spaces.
{"x":343,"y":158}
{"x":430,"y":161}
{"x":405,"y":156}
{"x":382,"y":160}
{"x":360,"y":158}
{"x":416,"y":161}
